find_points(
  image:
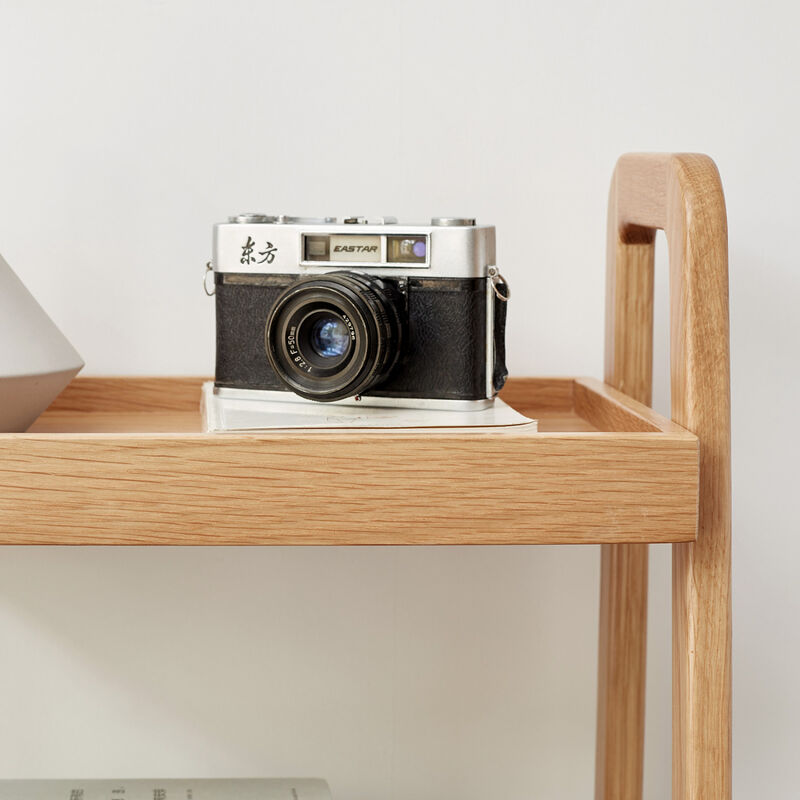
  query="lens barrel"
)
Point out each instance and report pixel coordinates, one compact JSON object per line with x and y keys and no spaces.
{"x":335,"y":335}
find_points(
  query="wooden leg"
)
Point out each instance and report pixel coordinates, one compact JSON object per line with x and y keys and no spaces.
{"x":622,"y":655}
{"x":621,"y":672}
{"x":701,"y":731}
{"x":701,"y":571}
{"x":682,"y":195}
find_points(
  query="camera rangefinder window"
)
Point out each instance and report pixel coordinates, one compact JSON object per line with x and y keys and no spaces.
{"x":406,"y":249}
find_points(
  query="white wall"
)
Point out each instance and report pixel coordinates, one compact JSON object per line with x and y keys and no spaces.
{"x":128,"y":129}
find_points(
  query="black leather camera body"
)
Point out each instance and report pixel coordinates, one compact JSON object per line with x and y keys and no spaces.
{"x":371,"y":312}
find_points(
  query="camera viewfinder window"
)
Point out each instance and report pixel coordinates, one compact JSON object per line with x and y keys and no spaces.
{"x":317,"y":248}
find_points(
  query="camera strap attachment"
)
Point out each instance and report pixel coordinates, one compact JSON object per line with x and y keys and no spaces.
{"x":209,"y":268}
{"x":499,"y":284}
{"x":502,"y":292}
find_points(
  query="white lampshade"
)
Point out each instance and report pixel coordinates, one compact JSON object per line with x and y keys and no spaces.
{"x":36,"y":360}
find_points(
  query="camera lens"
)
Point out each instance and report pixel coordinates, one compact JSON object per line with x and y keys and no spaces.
{"x":330,"y":337}
{"x":335,"y":335}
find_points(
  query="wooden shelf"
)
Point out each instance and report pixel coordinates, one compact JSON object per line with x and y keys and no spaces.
{"x":123,"y":461}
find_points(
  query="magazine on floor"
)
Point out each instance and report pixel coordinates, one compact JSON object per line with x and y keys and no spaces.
{"x":139,"y":789}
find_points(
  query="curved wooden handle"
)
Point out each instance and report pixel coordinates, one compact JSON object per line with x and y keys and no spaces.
{"x":682,"y":195}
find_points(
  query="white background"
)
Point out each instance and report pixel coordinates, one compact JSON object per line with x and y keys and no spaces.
{"x":128,"y":129}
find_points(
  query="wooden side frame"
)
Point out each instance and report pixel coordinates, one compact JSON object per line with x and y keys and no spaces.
{"x":682,"y":195}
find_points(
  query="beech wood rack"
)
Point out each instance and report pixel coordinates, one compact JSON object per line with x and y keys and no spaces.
{"x":123,"y":461}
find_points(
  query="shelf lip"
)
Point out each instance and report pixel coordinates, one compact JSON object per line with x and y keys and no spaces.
{"x":324,"y":488}
{"x":276,"y":437}
{"x":601,"y":403}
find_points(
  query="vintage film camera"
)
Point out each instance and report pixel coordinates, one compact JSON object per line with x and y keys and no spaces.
{"x":359,"y":311}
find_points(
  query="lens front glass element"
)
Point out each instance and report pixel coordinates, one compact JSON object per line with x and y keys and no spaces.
{"x":330,"y":337}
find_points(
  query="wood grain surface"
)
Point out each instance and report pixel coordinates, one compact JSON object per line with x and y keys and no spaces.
{"x":701,"y":573}
{"x":129,"y":395}
{"x":93,"y":485}
{"x":622,"y":662}
{"x":88,"y":395}
{"x":682,"y":195}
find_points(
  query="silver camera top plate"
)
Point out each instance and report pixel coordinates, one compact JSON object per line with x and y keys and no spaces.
{"x":277,"y":244}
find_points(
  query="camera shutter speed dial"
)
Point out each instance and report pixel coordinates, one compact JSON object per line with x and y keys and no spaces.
{"x":250,"y":218}
{"x":452,"y":222}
